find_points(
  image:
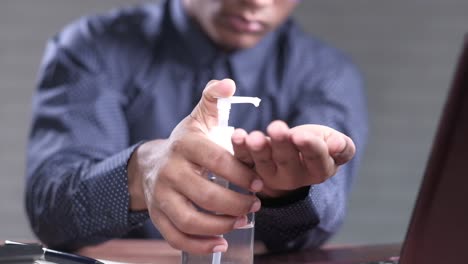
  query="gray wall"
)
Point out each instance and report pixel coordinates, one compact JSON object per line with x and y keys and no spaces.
{"x":406,"y":50}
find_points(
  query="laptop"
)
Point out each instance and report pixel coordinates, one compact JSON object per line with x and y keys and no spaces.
{"x":438,"y":230}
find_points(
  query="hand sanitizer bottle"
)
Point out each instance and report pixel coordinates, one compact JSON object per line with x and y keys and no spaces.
{"x":241,"y":240}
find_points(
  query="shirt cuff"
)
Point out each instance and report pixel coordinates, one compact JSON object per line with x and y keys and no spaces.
{"x":114,"y":199}
{"x":282,"y":228}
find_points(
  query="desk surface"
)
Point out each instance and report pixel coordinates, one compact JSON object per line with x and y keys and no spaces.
{"x":147,"y":251}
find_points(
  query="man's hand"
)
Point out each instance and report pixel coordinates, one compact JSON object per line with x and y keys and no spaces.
{"x":290,"y":158}
{"x":168,"y":178}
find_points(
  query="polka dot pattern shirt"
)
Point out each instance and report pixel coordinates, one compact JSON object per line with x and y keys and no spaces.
{"x":109,"y":82}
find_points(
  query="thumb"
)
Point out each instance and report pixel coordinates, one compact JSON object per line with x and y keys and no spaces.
{"x":206,"y":112}
{"x":341,"y":147}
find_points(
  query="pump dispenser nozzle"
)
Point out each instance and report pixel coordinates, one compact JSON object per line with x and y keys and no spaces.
{"x":224,"y":107}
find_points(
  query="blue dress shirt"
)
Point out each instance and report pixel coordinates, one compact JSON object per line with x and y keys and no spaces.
{"x":110,"y":81}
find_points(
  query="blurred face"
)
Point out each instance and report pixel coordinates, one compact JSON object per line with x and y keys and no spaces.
{"x":238,"y":24}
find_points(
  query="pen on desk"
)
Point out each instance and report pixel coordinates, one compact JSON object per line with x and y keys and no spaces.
{"x":67,"y":258}
{"x":60,"y":257}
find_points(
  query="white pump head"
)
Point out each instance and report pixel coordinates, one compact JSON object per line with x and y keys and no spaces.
{"x":224,"y":107}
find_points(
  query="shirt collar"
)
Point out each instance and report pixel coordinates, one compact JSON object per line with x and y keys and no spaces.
{"x":246,"y":64}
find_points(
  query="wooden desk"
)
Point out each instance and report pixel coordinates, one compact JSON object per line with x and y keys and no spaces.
{"x":159,"y":252}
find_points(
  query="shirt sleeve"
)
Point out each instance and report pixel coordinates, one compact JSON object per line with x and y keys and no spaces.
{"x":337,"y":100}
{"x":79,"y":146}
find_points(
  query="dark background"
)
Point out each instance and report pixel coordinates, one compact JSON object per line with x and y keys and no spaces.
{"x":406,"y":49}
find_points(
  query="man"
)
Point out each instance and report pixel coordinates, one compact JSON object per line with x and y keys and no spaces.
{"x":119,"y":145}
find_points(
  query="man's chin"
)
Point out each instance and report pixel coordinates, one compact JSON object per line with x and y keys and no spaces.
{"x":238,"y":42}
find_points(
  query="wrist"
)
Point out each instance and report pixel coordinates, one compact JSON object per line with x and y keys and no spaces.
{"x":268,"y":193}
{"x":135,"y":183}
{"x":280,"y":198}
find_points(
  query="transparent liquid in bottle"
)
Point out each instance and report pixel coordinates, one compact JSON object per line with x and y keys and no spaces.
{"x":240,"y":250}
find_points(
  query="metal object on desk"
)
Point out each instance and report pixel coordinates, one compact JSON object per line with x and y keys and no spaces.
{"x":27,"y":253}
{"x":18,"y":254}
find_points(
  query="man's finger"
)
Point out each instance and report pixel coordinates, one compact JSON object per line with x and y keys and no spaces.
{"x":185,"y":242}
{"x":190,"y":220}
{"x":240,"y":148}
{"x":260,"y":150}
{"x":219,"y":161}
{"x":213,"y":197}
{"x":285,"y":154}
{"x":316,"y":158}
{"x":342,"y":147}
{"x":206,"y":112}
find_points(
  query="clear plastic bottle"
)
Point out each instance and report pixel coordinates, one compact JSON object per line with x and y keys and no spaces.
{"x":241,"y":240}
